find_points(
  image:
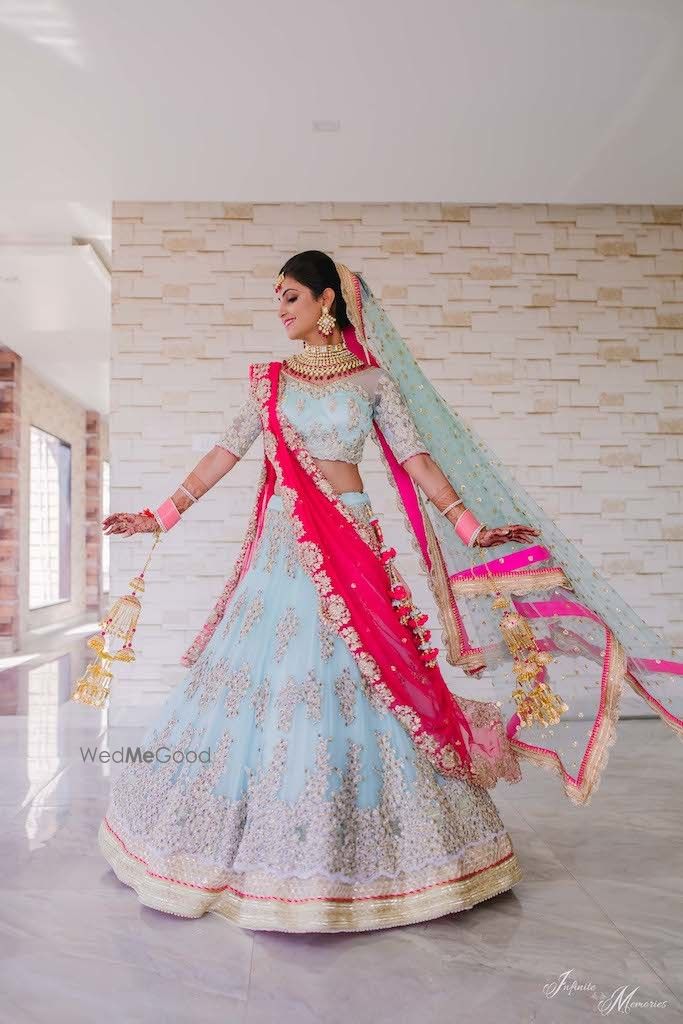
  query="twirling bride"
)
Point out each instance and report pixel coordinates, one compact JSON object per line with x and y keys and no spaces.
{"x":347,"y":786}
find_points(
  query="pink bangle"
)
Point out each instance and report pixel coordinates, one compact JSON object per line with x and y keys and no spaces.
{"x":167,"y":515}
{"x":467,"y":527}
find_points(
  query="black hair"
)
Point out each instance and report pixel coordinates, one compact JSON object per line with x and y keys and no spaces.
{"x":316,"y":270}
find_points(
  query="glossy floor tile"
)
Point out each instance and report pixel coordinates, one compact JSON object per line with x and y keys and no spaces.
{"x":597,"y":912}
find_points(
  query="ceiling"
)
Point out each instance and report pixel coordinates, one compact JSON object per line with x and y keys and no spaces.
{"x":55,"y":293}
{"x":502,"y":101}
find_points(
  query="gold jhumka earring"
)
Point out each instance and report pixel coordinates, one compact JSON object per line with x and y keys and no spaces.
{"x":326,"y":323}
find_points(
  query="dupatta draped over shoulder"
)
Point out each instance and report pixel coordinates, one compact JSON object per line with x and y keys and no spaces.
{"x":464,"y":740}
{"x":530,"y":618}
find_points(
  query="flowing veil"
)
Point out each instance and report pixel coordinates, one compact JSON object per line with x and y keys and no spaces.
{"x":556,"y":640}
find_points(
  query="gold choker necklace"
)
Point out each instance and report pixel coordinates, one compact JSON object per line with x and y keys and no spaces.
{"x":318,"y":362}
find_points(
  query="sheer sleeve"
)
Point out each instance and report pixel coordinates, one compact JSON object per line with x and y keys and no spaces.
{"x":243,"y":428}
{"x":394,"y":419}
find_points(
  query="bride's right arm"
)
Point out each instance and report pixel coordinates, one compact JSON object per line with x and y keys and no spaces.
{"x":240,"y":434}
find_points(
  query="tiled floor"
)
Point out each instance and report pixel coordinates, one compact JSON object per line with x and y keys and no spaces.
{"x":602,"y":899}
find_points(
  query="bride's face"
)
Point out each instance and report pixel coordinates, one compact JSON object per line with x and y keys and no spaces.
{"x":299,"y":311}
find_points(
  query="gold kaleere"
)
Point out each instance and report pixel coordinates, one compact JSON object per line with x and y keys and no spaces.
{"x":538,"y":703}
{"x":121,"y":622}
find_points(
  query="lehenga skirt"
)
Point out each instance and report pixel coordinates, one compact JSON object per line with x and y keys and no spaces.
{"x":279,"y":794}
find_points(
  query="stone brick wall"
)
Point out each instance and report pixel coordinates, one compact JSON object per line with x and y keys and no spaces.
{"x":557,"y":331}
{"x":10,"y":426}
{"x":94,"y":454}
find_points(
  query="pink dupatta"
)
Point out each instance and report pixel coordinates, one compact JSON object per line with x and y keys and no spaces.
{"x":461,"y":739}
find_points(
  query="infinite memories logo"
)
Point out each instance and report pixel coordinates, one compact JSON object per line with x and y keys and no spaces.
{"x":621,"y":1000}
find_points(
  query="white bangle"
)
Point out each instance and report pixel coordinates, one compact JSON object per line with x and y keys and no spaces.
{"x":452,"y":505}
{"x":474,"y":536}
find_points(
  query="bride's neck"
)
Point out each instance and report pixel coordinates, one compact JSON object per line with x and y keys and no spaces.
{"x":336,"y":338}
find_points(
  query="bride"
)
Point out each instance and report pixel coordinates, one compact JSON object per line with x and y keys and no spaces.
{"x":343,"y":786}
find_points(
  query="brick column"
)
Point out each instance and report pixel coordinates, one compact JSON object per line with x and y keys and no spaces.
{"x":10,"y":430}
{"x":93,"y":511}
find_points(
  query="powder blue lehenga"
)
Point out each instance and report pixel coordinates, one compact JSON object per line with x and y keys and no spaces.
{"x":316,"y":811}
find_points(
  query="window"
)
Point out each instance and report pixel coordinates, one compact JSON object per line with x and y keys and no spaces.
{"x":49,"y":519}
{"x":105,"y":537}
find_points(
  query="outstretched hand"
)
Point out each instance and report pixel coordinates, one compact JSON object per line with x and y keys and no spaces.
{"x":125,"y":524}
{"x":516,"y":533}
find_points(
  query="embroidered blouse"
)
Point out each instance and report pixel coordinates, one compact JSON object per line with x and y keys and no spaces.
{"x":334,"y":417}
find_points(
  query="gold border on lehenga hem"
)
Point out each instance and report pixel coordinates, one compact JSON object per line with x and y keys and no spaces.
{"x":317,"y":914}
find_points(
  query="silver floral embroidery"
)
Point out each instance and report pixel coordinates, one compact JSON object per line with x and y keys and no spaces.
{"x":332,"y":607}
{"x":281,"y":541}
{"x":327,"y":638}
{"x":234,"y":609}
{"x":238,"y":682}
{"x":293,"y":693}
{"x":243,"y":429}
{"x":394,"y":419}
{"x":372,"y":393}
{"x":215,"y":680}
{"x":286,"y":628}
{"x":354,"y":414}
{"x":197,"y":677}
{"x":254,"y":613}
{"x":345,"y":689}
{"x":260,"y":701}
{"x":160,"y":734}
{"x":173,"y":817}
{"x":324,"y":441}
{"x":292,"y":557}
{"x":287,"y":700}
{"x":340,"y":419}
{"x":376,"y":696}
{"x":313,"y":695}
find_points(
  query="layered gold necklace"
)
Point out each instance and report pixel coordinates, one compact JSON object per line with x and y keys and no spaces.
{"x":320,"y":362}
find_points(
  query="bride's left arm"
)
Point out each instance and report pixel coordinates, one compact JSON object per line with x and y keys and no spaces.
{"x":431,"y":479}
{"x":397,"y":425}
